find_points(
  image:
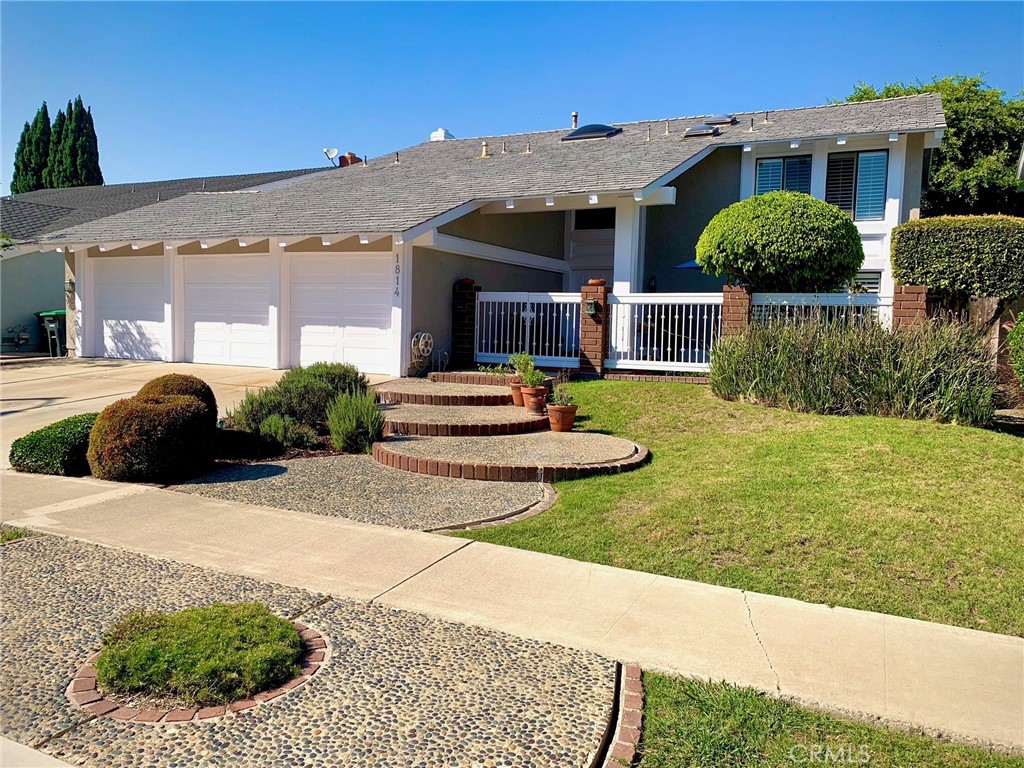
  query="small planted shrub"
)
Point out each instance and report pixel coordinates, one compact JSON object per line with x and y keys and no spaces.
{"x":308,"y":392}
{"x":152,"y":439}
{"x":237,"y":444}
{"x":200,"y":656}
{"x":940,"y":370}
{"x":57,"y":449}
{"x":288,"y":432}
{"x":355,"y":422}
{"x":782,"y":241}
{"x":181,"y":384}
{"x":256,"y":406}
{"x":1015,"y":343}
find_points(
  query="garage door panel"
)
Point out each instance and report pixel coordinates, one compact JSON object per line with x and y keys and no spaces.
{"x":227,"y":310}
{"x":128,"y":300}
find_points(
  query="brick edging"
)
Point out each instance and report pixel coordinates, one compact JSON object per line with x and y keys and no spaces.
{"x":414,"y":428}
{"x":547,"y":502}
{"x":84,"y":695}
{"x":418,"y":398}
{"x":516,"y":473}
{"x":624,"y":748}
{"x":470,"y":377}
{"x":657,"y":377}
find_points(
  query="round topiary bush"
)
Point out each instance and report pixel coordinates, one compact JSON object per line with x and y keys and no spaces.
{"x":56,"y":449}
{"x":181,"y":384}
{"x":152,"y":439}
{"x":782,"y":241}
{"x":200,"y":656}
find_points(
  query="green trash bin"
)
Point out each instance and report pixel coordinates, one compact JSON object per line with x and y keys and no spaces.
{"x":53,"y":328}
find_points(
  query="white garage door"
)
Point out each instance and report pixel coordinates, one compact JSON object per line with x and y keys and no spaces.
{"x":227,"y":310}
{"x":341,"y":311}
{"x":129,"y":308}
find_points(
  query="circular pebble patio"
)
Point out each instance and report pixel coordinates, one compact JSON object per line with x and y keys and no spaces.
{"x":454,"y":420}
{"x":528,"y":449}
{"x":357,"y":488}
{"x":399,"y":689}
{"x":426,"y":392}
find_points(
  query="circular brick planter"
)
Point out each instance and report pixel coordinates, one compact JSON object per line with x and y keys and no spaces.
{"x":420,"y":392}
{"x":622,"y":744}
{"x":83,"y":693}
{"x":430,"y":429}
{"x":516,"y":473}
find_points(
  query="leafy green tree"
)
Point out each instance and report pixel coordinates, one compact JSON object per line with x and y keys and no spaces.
{"x":975,"y":169}
{"x":50,"y":173}
{"x":32,"y":153}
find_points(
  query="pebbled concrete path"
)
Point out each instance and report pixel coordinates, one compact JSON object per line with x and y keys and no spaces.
{"x":937,"y":678}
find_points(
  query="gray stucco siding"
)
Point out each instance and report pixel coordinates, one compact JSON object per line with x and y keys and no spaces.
{"x":539,"y":233}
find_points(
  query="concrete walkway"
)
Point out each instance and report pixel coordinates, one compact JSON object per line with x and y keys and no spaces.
{"x":942,"y":679}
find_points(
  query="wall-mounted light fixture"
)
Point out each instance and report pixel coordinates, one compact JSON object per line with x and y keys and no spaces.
{"x":510,"y":204}
{"x":592,"y":199}
{"x":841,"y":141}
{"x":593,"y":309}
{"x":364,"y":239}
{"x":748,"y":147}
{"x":794,"y":144}
{"x":549,"y":201}
{"x":894,"y":137}
{"x":69,"y":286}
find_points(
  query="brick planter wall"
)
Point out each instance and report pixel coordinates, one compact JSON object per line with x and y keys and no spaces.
{"x":735,"y":309}
{"x":909,"y":305}
{"x":464,"y":324}
{"x":594,"y":330}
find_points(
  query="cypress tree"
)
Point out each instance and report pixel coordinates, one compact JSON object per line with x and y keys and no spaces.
{"x":20,"y":178}
{"x":56,"y":139}
{"x":89,"y":172}
{"x":65,"y":167}
{"x":39,"y":146}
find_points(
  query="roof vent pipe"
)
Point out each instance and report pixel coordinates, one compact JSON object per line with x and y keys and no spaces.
{"x":483,"y":149}
{"x":751,"y":128}
{"x":766,"y":120}
{"x":666,"y":127}
{"x":528,"y":150}
{"x":575,"y":120}
{"x":504,"y":151}
{"x":397,"y":161}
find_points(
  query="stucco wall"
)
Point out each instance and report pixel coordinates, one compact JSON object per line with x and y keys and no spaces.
{"x":673,"y":230}
{"x":540,"y":233}
{"x":31,"y":282}
{"x":913,"y":176}
{"x":434,"y":273}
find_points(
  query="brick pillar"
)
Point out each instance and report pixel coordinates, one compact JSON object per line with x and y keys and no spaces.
{"x":909,"y":305}
{"x":464,"y":324}
{"x":594,"y":329}
{"x":735,"y":309}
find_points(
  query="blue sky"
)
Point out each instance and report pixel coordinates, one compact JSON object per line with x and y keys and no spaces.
{"x":195,"y":89}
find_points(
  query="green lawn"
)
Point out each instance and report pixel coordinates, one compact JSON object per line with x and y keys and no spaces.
{"x":711,"y":725}
{"x":909,"y":518}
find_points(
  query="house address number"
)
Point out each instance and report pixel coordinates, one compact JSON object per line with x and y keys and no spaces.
{"x":398,"y":273}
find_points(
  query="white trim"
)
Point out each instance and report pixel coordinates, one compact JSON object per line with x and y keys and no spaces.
{"x":819,"y":167}
{"x":644,"y":365}
{"x":680,"y":169}
{"x":553,"y":297}
{"x":627,"y":246}
{"x":169,"y":307}
{"x":279,"y":341}
{"x":401,"y":308}
{"x":540,"y":360}
{"x":178,"y":300}
{"x":452,"y":244}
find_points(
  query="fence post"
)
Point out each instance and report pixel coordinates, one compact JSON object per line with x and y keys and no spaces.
{"x":594,"y":327}
{"x":464,"y":323}
{"x":909,"y":305}
{"x":735,"y":309}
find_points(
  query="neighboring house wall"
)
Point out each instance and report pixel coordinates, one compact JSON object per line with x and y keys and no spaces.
{"x":673,"y":230}
{"x":434,"y":273}
{"x":30,"y":282}
{"x":540,"y":233}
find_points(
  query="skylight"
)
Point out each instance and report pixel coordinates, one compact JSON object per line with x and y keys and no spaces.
{"x":592,"y":131}
{"x":703,"y":129}
{"x":721,"y":120}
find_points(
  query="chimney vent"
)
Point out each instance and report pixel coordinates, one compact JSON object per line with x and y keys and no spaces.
{"x":441,"y":134}
{"x":575,"y":120}
{"x":483,"y":149}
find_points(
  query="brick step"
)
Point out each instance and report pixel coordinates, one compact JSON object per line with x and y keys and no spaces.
{"x":460,"y":421}
{"x":426,"y":392}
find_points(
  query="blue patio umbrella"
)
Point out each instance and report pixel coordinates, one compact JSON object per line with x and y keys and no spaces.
{"x":691,"y":264}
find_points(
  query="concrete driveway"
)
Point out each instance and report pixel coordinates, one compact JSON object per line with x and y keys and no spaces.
{"x":40,"y":392}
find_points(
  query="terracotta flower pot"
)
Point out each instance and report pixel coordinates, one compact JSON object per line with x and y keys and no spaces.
{"x":517,"y":392}
{"x":562,"y":417}
{"x":528,"y":392}
{"x":535,"y":404}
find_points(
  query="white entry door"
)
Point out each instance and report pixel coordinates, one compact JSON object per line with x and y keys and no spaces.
{"x":227,"y":310}
{"x":341,"y":310}
{"x":129,"y":308}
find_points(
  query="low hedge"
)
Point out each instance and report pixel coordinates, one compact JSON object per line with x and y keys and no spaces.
{"x":152,"y":439}
{"x":962,"y":256}
{"x":56,"y":449}
{"x":181,"y":384}
{"x":939,"y":370}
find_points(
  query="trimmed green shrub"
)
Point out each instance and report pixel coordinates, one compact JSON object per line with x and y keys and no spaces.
{"x":938,"y":370}
{"x":255,"y":407}
{"x":962,"y":256}
{"x":201,"y":656}
{"x":308,"y":392}
{"x":152,"y":439}
{"x":237,"y":444}
{"x":782,"y":241}
{"x":288,"y":432}
{"x":56,"y":449}
{"x":181,"y":384}
{"x":355,"y":422}
{"x":1015,"y":343}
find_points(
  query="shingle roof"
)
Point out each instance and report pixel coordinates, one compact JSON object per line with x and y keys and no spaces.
{"x":434,"y":177}
{"x":28,"y":214}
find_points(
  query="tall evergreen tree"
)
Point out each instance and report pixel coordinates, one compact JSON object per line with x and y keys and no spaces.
{"x":39,"y":146}
{"x":89,"y":172}
{"x":20,"y":179}
{"x":50,"y":173}
{"x":65,"y":166}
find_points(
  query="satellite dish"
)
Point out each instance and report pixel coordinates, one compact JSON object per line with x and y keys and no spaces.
{"x":331,"y":154}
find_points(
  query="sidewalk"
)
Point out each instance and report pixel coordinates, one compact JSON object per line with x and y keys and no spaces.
{"x":942,"y":679}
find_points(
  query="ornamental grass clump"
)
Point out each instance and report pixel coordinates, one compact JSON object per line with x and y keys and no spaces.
{"x":355,"y":422}
{"x":939,"y":370}
{"x":204,"y":656}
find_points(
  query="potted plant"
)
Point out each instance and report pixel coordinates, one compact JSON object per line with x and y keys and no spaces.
{"x":533,"y":390}
{"x":521,"y":363}
{"x":562,"y":410}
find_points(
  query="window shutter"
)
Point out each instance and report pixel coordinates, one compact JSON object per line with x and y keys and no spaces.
{"x":871,"y":281}
{"x":798,"y":174}
{"x":769,"y":175}
{"x":839,"y":180}
{"x":872,"y":168}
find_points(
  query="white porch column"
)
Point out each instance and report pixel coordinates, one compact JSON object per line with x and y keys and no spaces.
{"x":625,"y":264}
{"x":280,"y":311}
{"x":177,"y":286}
{"x":893,"y":207}
{"x":819,"y":168}
{"x":401,"y":307}
{"x":85,"y":321}
{"x":170,"y":326}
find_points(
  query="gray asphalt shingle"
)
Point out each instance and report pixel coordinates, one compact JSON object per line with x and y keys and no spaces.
{"x":434,"y":177}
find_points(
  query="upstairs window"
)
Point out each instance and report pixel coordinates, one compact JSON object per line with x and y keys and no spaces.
{"x":855,"y":182}
{"x":789,"y":173}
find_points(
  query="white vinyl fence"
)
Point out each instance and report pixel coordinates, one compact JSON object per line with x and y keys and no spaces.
{"x":664,"y":331}
{"x":544,"y":325}
{"x":831,"y":307}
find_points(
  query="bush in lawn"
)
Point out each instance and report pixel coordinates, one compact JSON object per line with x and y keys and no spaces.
{"x":152,"y":439}
{"x":57,"y":449}
{"x":355,"y":422}
{"x":288,"y":432}
{"x":181,"y":384}
{"x":1015,"y":343}
{"x":962,"y":256}
{"x":200,"y":656}
{"x":782,"y":241}
{"x":938,"y":370}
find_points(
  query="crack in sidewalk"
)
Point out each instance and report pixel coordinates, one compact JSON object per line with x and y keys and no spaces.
{"x":757,"y":636}
{"x":421,"y":570}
